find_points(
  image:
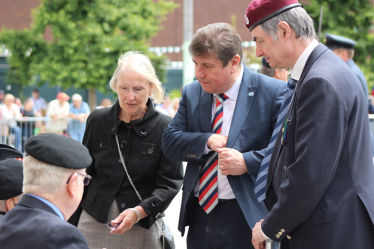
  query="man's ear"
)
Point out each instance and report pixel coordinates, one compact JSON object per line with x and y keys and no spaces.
{"x":72,"y":186}
{"x":284,"y":30}
{"x":235,"y":63}
{"x":10,"y":203}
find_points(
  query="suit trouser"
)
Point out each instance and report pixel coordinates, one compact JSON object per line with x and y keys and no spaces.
{"x":225,"y":227}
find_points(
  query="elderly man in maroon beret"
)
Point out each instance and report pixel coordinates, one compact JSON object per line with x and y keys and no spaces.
{"x":319,"y":187}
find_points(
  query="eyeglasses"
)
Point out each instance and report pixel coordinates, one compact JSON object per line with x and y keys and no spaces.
{"x":86,"y":180}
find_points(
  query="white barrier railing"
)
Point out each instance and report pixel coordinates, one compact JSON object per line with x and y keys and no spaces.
{"x":15,"y":132}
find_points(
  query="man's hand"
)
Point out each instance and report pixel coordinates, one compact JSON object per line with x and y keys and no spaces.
{"x":231,"y":162}
{"x":216,"y":141}
{"x":258,"y":240}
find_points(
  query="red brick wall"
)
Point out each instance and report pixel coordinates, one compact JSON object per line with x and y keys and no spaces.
{"x":16,"y":14}
{"x":205,"y":12}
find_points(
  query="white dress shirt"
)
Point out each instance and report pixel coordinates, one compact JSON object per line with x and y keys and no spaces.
{"x":224,"y":188}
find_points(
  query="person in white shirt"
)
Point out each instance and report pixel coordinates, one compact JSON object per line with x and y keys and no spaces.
{"x":9,"y":112}
{"x":58,"y":110}
{"x":223,"y":125}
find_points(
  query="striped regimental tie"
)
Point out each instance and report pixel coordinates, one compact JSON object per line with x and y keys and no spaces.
{"x":208,"y":185}
{"x":260,"y":187}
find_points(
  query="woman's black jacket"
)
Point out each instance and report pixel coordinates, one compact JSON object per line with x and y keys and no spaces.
{"x":156,"y":177}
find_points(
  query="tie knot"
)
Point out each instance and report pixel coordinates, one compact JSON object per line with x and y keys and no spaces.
{"x":291,"y":84}
{"x":222,"y":97}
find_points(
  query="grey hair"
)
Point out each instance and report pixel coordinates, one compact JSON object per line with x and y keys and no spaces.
{"x":76,"y":96}
{"x":134,"y":60}
{"x":40,"y":177}
{"x":298,"y":19}
{"x":219,"y":40}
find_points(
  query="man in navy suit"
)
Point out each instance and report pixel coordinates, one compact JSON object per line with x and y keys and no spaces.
{"x":320,"y":188}
{"x":227,"y":116}
{"x":54,"y":179}
{"x":343,"y":47}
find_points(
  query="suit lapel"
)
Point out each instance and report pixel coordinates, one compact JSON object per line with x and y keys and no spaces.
{"x":205,"y":111}
{"x":243,"y":106}
{"x":320,"y":49}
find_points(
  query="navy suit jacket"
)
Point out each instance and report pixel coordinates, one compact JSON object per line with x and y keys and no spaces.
{"x":320,"y":187}
{"x":251,"y":129}
{"x":33,"y":224}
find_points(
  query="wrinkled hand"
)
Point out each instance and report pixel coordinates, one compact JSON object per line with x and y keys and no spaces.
{"x":258,"y":240}
{"x":216,"y":141}
{"x":231,"y":162}
{"x":127,"y":219}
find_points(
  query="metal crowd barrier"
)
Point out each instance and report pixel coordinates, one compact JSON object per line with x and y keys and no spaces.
{"x":16,"y":136}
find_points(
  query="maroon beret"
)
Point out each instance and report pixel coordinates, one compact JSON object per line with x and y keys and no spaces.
{"x":259,"y":11}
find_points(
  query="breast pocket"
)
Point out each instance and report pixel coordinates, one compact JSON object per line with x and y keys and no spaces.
{"x":153,"y":150}
{"x":150,"y":157}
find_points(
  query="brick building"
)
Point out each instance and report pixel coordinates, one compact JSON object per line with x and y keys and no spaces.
{"x":16,"y":14}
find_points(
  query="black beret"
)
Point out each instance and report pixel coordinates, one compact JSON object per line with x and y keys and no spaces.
{"x":11,"y":178}
{"x":9,"y":152}
{"x":265,"y":63}
{"x":336,"y":41}
{"x":58,"y":150}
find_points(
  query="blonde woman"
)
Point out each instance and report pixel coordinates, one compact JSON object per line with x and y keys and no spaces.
{"x":131,"y":129}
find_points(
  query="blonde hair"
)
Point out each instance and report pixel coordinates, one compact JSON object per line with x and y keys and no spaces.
{"x":40,"y":177}
{"x":141,"y":64}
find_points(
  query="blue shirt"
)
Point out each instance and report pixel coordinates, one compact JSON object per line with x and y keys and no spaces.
{"x":50,"y":204}
{"x":75,"y":125}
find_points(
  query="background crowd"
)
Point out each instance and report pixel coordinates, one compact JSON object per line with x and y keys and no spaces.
{"x":58,"y":116}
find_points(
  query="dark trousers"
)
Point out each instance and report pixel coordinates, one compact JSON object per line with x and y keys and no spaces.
{"x":224,"y":228}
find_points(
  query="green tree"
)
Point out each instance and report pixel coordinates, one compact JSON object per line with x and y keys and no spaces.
{"x":88,"y":38}
{"x":22,"y":43}
{"x":350,"y":18}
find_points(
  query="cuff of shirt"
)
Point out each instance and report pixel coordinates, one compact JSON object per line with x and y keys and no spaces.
{"x":263,"y":233}
{"x":206,"y":149}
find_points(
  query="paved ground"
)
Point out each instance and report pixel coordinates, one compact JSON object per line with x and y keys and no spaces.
{"x":172,"y":218}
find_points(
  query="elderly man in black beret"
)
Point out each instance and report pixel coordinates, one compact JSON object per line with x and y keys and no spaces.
{"x":11,"y":178}
{"x":54,"y":178}
{"x":319,"y":187}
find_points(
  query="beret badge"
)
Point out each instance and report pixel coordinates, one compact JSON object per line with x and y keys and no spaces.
{"x":246,"y":20}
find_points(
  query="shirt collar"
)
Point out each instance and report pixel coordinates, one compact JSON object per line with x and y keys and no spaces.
{"x":50,"y":204}
{"x":233,"y":92}
{"x":300,"y":63}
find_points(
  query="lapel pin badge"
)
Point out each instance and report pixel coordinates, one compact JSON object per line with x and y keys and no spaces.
{"x":251,"y":94}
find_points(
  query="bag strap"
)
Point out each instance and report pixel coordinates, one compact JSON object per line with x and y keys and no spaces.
{"x":127,"y":173}
{"x":161,"y":229}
